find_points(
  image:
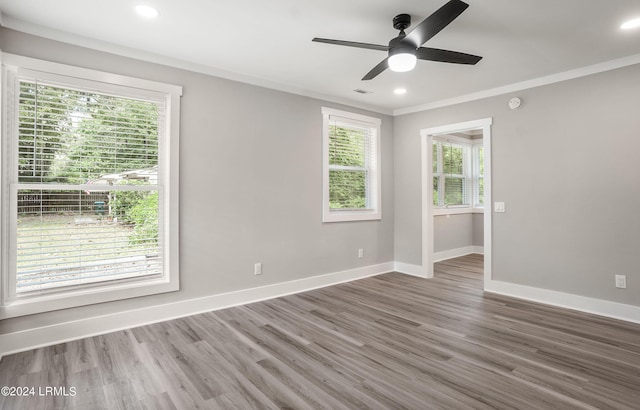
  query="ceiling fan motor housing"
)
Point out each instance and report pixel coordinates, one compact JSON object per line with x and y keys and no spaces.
{"x":401,"y":21}
{"x":397,"y":46}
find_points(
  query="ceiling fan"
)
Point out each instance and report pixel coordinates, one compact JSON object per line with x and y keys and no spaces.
{"x":406,"y":49}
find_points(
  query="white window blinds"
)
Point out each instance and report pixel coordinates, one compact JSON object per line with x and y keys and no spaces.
{"x":351,"y":155}
{"x":451,"y":174}
{"x":86,"y":196}
{"x":351,"y":161}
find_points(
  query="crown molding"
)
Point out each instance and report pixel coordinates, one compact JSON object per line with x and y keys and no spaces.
{"x":57,"y":35}
{"x":65,"y":37}
{"x":524,"y":85}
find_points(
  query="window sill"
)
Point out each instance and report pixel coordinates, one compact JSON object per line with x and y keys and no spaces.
{"x":457,"y":211}
{"x":350,"y":216}
{"x":81,"y":296}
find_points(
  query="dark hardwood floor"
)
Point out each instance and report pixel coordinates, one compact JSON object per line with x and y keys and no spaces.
{"x":387,"y":342}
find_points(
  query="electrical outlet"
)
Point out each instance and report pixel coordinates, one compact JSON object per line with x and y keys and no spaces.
{"x":621,"y":281}
{"x":257,"y":269}
{"x":360,"y":253}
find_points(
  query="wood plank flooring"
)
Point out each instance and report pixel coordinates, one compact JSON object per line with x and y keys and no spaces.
{"x":387,"y":342}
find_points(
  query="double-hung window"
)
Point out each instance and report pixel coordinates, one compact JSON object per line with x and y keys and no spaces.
{"x":458,"y":169}
{"x":351,"y":151}
{"x":452,"y":179}
{"x":89,"y":187}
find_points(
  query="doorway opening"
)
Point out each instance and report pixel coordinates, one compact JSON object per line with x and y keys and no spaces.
{"x":456,"y":180}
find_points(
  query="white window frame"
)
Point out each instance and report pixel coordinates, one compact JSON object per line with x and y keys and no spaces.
{"x":374,"y":185}
{"x":470,"y":170}
{"x":12,"y":304}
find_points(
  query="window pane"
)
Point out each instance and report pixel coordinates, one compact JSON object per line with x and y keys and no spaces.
{"x":68,"y":238}
{"x":348,"y":146}
{"x":454,"y":175}
{"x":481,"y":159}
{"x":452,"y":159}
{"x":74,"y":137}
{"x":480,"y":191}
{"x":435,"y":157}
{"x":455,"y":191}
{"x":347,"y":189}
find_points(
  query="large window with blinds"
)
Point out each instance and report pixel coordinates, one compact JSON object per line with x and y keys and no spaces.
{"x":351,"y":151}
{"x":458,"y":168}
{"x":86,"y":184}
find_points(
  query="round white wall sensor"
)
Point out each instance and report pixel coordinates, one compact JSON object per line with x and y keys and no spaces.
{"x":514,"y":103}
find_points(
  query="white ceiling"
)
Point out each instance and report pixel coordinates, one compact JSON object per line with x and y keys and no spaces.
{"x":269,"y":42}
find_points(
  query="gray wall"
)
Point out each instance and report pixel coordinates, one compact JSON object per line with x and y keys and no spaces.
{"x":477,"y":221}
{"x":452,"y":232}
{"x":565,"y":164}
{"x":457,"y":231}
{"x":250,"y":185}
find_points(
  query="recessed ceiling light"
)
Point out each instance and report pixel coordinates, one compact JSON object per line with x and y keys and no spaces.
{"x":628,"y":25}
{"x":146,"y":11}
{"x":400,"y":91}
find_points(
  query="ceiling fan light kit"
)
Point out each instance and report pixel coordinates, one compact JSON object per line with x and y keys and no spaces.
{"x":402,"y":62}
{"x":404,"y":50}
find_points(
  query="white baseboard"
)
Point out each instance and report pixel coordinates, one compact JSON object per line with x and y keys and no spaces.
{"x":585,"y":304}
{"x":455,"y":253}
{"x":409,"y":269}
{"x":478,"y":249}
{"x":63,"y":332}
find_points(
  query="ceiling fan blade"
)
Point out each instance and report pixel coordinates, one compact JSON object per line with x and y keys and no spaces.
{"x":351,"y":44}
{"x":446,"y":56}
{"x":432,"y":25}
{"x":376,"y":70}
